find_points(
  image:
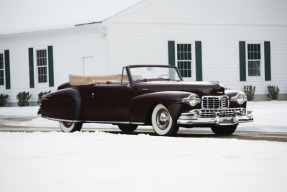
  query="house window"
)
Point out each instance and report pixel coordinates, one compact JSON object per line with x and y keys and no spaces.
{"x":41,"y":65}
{"x":184,"y":59}
{"x":254,"y":60}
{"x":2,"y":69}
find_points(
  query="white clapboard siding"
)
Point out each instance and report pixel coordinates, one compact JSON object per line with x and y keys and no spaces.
{"x":140,"y":35}
{"x":69,"y":48}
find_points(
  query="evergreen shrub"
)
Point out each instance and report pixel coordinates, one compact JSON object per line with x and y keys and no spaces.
{"x":249,"y":90}
{"x":23,"y":98}
{"x":3,"y":99}
{"x":273,"y":92}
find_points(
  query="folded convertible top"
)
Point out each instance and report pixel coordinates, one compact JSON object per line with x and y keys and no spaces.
{"x":88,"y":80}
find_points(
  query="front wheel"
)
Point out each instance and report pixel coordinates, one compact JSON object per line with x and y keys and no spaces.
{"x":69,"y":127}
{"x":162,"y":122}
{"x":224,"y":130}
{"x":127,"y":127}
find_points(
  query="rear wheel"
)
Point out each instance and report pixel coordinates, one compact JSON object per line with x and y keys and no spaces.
{"x":70,"y":126}
{"x":127,"y":127}
{"x":162,"y":121}
{"x":224,"y":130}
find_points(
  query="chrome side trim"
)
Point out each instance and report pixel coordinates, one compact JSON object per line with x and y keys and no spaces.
{"x":66,"y":120}
{"x":137,"y":123}
{"x":115,"y":122}
{"x":105,"y":122}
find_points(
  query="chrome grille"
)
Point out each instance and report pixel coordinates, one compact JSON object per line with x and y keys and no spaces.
{"x":210,"y":102}
{"x":222,"y":112}
{"x":215,"y":102}
{"x":225,"y":102}
{"x":207,"y":113}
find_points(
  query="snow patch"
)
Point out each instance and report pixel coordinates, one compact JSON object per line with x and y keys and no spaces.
{"x":105,"y":162}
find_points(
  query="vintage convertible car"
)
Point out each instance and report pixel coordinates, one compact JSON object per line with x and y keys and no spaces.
{"x":145,"y":95}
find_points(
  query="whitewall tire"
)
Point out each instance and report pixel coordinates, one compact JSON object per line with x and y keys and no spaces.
{"x":69,"y":127}
{"x":162,"y":121}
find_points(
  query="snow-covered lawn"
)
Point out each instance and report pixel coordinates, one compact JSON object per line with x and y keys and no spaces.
{"x":105,"y":162}
{"x":268,"y":116}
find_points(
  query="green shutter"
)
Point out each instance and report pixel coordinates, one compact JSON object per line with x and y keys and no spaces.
{"x":171,"y":53}
{"x":7,"y":69}
{"x":242,"y":61}
{"x":31,"y":67}
{"x":198,"y":60}
{"x":267,"y":59}
{"x":51,"y":66}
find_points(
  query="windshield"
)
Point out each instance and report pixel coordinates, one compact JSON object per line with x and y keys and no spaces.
{"x":154,"y":73}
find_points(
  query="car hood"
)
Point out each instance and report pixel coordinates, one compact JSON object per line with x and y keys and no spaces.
{"x":199,"y":88}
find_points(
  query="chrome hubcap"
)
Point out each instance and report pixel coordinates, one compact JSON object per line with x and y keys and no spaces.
{"x":162,"y":119}
{"x":67,"y":124}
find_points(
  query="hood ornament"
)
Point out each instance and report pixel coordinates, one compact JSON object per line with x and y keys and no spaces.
{"x":217,"y":82}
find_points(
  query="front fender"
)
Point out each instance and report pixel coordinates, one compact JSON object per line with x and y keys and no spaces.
{"x":142,"y":105}
{"x":232,"y":93}
{"x":63,"y":104}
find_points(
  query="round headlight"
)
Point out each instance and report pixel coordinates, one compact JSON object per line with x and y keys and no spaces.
{"x":192,"y":100}
{"x":240,"y":98}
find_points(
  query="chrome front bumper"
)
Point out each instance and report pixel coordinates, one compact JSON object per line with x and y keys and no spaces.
{"x":217,"y":117}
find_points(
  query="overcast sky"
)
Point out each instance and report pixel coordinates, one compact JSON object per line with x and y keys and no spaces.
{"x":31,"y":15}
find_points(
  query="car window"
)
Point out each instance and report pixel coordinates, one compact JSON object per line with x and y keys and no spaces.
{"x":154,"y":73}
{"x":125,"y":78}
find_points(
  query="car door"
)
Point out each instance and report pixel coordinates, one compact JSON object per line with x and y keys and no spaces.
{"x":106,"y":102}
{"x":110,"y":102}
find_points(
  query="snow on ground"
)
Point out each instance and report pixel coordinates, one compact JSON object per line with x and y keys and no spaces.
{"x":269,"y":116}
{"x":105,"y":162}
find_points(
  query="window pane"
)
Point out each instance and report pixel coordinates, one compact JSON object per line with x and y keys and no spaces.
{"x":1,"y":61}
{"x":253,"y":68}
{"x":39,"y":75}
{"x":184,"y":51}
{"x":1,"y":81}
{"x":1,"y":69}
{"x":254,"y":59}
{"x":254,"y":51}
{"x":38,"y":62}
{"x":42,"y":74}
{"x":42,"y":65}
{"x":1,"y":77}
{"x":185,"y":68}
{"x":184,"y":59}
{"x":44,"y":62}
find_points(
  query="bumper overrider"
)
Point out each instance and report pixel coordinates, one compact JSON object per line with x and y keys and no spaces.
{"x":229,"y":116}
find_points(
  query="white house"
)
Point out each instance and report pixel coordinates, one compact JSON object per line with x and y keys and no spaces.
{"x":238,"y":42}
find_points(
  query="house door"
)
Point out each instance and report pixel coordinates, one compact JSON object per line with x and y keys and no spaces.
{"x":89,"y":67}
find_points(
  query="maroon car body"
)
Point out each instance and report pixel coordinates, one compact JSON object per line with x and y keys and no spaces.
{"x":166,"y":102}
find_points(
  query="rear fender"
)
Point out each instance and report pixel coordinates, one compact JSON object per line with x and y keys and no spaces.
{"x":63,"y":104}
